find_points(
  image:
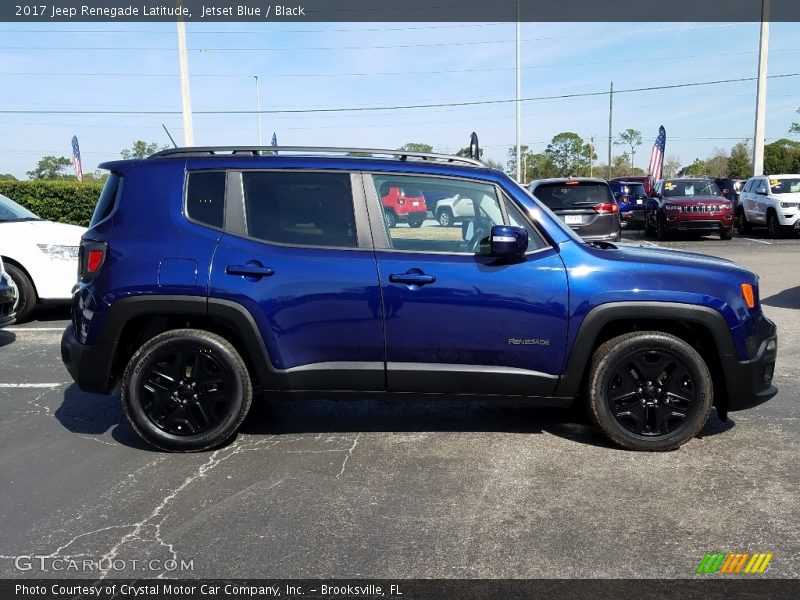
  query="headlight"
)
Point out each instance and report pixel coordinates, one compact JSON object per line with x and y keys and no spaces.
{"x":672,"y":207}
{"x":59,"y":252}
{"x":788,"y":204}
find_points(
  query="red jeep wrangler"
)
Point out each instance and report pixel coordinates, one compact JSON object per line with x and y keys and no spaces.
{"x":403,"y":203}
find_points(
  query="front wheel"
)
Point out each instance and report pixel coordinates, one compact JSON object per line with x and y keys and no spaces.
{"x":649,"y":391}
{"x":742,"y":224}
{"x":774,"y":230}
{"x":726,"y":234}
{"x":26,"y":293}
{"x":661,"y":229}
{"x":186,"y":390}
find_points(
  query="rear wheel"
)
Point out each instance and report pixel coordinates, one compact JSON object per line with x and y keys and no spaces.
{"x":649,"y":390}
{"x":742,"y":224}
{"x":390,"y":219}
{"x":445,"y":217}
{"x":26,"y":294}
{"x":415,"y":222}
{"x":186,"y":390}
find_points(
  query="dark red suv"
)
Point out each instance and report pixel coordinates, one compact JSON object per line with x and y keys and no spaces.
{"x":403,"y":203}
{"x":688,"y":205}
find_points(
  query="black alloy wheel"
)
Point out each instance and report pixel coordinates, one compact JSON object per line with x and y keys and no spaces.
{"x":186,"y":390}
{"x":741,"y":223}
{"x":649,"y":391}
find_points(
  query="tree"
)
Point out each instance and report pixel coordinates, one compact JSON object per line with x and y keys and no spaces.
{"x":632,"y":138}
{"x":739,"y":165}
{"x":696,"y":169}
{"x":50,"y":167}
{"x":795,"y":127}
{"x":141,"y":149}
{"x":467,"y":152}
{"x":416,"y":147}
{"x":569,"y":154}
{"x":782,"y":156}
{"x":716,"y":165}
{"x":671,"y":166}
{"x":7,"y":176}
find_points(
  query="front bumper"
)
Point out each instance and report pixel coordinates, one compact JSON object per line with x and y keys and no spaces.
{"x":716,"y":225}
{"x":89,"y":365}
{"x":749,"y":382}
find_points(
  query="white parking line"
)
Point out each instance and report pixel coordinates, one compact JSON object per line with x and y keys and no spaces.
{"x":34,"y":329}
{"x":30,"y":385}
{"x":760,"y":241}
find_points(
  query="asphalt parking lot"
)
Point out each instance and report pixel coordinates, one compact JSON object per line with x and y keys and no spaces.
{"x":418,"y":489}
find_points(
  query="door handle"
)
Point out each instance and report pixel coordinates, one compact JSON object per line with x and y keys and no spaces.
{"x":249,"y":270}
{"x":412,"y":278}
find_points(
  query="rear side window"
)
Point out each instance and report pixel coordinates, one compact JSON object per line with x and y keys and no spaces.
{"x":205,"y":197}
{"x":573,"y":194}
{"x":300,"y":209}
{"x":108,"y":199}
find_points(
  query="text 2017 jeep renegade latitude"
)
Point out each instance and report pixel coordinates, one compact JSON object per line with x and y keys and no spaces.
{"x":208,"y":274}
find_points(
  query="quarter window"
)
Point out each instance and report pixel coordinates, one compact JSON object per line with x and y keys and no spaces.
{"x":300,"y":209}
{"x":205,"y":197}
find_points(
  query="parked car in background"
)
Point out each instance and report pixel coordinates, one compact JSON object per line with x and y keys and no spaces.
{"x":586,"y":204}
{"x":690,"y":204}
{"x":646,"y":180}
{"x":403,"y":203}
{"x":631,"y":198}
{"x":454,"y":210}
{"x":731,"y":188}
{"x":8,"y":297}
{"x":771,"y":201}
{"x":41,"y":257}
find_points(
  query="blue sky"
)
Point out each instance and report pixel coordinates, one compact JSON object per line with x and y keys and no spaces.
{"x":115,"y":66}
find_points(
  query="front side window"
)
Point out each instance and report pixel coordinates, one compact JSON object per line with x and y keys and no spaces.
{"x":300,"y":209}
{"x":433,"y":214}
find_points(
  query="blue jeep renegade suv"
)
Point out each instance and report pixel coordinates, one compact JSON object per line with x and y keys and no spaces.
{"x":210,"y":274}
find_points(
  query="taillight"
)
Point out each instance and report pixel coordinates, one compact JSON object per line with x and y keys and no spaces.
{"x":606,"y":207}
{"x":91,"y":258}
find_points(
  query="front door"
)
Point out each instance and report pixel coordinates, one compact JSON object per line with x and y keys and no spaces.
{"x":456,"y":319}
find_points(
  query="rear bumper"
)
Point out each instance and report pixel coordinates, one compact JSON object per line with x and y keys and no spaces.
{"x":749,"y":382}
{"x":89,"y":365}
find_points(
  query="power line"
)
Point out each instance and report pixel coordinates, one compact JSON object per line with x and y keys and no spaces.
{"x":395,"y":107}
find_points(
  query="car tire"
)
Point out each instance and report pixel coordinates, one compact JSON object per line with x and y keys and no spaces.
{"x":186,"y":390}
{"x":649,"y":391}
{"x":742,"y":224}
{"x":26,"y":293}
{"x":774,"y":230}
{"x":445,"y":217}
{"x":415,"y":222}
{"x":649,"y":230}
{"x":389,"y":219}
{"x":661,"y":229}
{"x":726,"y":234}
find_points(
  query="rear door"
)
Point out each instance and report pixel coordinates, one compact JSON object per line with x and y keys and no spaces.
{"x":297,"y":255}
{"x":587,"y":207}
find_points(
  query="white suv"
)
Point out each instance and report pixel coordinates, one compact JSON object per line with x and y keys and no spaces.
{"x":771,"y":201}
{"x":41,"y":257}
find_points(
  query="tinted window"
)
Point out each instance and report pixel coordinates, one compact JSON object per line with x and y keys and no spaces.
{"x":301,"y":209}
{"x":577,"y":194}
{"x":516,"y":218}
{"x":11,"y":211}
{"x":108,"y":199}
{"x":205,"y":197}
{"x":785,"y":186}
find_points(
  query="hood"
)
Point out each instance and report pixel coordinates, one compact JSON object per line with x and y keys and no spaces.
{"x":790,"y":197}
{"x":669,"y":256}
{"x":40,"y":232}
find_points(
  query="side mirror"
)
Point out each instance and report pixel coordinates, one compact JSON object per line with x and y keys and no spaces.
{"x":761,"y":192}
{"x":508,"y":241}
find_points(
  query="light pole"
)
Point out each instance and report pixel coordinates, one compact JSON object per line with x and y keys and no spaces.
{"x":517,"y":103}
{"x":761,"y":92}
{"x":258,"y":108}
{"x":186,"y":99}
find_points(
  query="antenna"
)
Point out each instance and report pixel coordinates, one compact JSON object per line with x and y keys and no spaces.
{"x":169,"y":136}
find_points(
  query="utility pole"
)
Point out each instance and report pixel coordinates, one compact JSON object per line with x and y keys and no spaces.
{"x":610,"y":125}
{"x":761,"y":93}
{"x":186,"y":98}
{"x":591,"y":156}
{"x":518,"y":103}
{"x":258,"y":108}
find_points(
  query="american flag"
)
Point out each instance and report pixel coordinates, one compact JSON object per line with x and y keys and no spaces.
{"x":657,"y":155}
{"x":76,"y":158}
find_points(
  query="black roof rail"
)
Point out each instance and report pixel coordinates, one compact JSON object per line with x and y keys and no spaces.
{"x":197,"y":151}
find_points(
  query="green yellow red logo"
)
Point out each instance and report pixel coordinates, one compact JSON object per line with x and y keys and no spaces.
{"x":735,"y":563}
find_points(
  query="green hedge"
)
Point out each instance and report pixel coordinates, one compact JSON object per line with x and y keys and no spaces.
{"x":61,"y":201}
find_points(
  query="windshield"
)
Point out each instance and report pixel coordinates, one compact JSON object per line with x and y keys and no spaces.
{"x":11,"y":211}
{"x":785,"y":186}
{"x":573,"y":194}
{"x":635,"y":189}
{"x":689,"y":188}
